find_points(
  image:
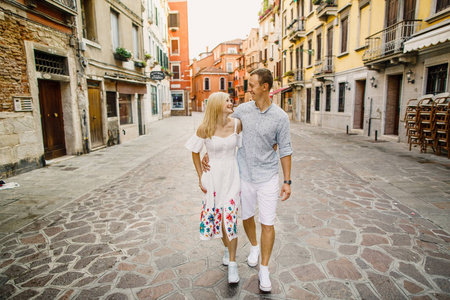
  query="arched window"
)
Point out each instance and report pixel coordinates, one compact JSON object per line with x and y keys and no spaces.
{"x":206,"y":84}
{"x":222,"y":83}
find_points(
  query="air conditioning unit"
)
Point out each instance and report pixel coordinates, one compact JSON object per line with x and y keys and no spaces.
{"x":23,"y":104}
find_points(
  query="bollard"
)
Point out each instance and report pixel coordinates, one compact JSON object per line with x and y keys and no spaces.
{"x":376,"y":135}
{"x":347,"y":129}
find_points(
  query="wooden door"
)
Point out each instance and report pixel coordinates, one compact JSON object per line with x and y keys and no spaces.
{"x":95,"y":115}
{"x":392,"y":115}
{"x":391,"y":33}
{"x":358,"y":116}
{"x":52,"y":119}
{"x":308,"y":105}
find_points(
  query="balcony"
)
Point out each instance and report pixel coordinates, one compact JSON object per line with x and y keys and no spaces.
{"x":325,"y":9}
{"x":252,"y":66}
{"x":387,"y":45}
{"x":324,"y":69}
{"x":298,"y":78}
{"x":69,"y":6}
{"x":296,"y":30}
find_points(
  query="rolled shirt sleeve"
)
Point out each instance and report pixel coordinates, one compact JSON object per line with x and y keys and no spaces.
{"x":284,"y":138}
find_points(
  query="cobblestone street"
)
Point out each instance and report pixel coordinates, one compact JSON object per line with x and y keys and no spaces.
{"x":366,"y":220}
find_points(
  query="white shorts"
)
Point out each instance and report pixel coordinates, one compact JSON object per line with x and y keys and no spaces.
{"x":266,"y":194}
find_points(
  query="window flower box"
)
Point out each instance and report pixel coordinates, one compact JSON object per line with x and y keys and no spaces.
{"x":122,"y":54}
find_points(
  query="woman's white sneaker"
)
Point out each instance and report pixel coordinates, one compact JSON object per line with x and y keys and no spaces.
{"x":264,"y":280}
{"x":252,"y":259}
{"x":233,"y":275}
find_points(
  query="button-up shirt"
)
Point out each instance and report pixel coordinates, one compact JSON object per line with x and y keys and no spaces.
{"x":257,"y":160}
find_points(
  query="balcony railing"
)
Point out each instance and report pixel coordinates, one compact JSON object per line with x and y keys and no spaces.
{"x":66,"y":5}
{"x":296,"y":29}
{"x":326,"y":8}
{"x":252,"y":66}
{"x":390,"y":40}
{"x":325,"y":66}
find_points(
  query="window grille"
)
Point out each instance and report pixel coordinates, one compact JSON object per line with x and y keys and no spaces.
{"x":49,"y":63}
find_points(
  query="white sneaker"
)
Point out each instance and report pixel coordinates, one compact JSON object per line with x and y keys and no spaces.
{"x":264,"y":281}
{"x":252,"y":259}
{"x":226,"y":257}
{"x":233,"y":275}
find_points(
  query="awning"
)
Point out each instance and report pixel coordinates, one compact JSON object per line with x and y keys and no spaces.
{"x":283,"y":89}
{"x":434,"y":37}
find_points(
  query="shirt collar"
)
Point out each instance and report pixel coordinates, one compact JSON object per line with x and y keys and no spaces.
{"x":263,"y":112}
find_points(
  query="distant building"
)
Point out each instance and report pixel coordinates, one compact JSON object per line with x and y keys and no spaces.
{"x":180,"y":83}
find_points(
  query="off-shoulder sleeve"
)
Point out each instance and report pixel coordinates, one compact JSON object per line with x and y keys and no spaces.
{"x":239,"y":140}
{"x":195,"y":144}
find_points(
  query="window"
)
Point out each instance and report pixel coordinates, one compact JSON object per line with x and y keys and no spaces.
{"x":232,"y":50}
{"x":341,"y":103}
{"x":174,"y":47}
{"x":442,"y":4}
{"x":309,"y":52}
{"x":317,"y":106}
{"x":229,"y":67}
{"x":206,"y":84}
{"x":174,"y":19}
{"x":150,"y":9}
{"x":176,"y":72}
{"x":230,"y":84}
{"x":344,"y":34}
{"x":222,"y":83}
{"x":437,"y":79}
{"x":115,"y":29}
{"x":177,"y":100}
{"x":319,"y":47}
{"x":125,"y":109}
{"x":310,"y":5}
{"x":111,"y":107}
{"x":135,"y":41}
{"x":154,"y":96}
{"x":265,"y":54}
{"x":156,"y":16}
{"x":88,"y":20}
{"x":291,"y":60}
{"x":328,"y":98}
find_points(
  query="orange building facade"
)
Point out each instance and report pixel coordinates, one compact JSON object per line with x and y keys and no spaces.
{"x":215,"y":72}
{"x":180,"y":83}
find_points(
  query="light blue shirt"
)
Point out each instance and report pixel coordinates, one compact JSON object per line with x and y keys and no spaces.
{"x":257,"y":160}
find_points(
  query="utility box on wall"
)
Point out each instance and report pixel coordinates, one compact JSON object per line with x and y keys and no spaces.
{"x":23,"y":104}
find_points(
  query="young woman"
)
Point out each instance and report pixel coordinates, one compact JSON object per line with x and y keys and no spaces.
{"x":221,"y":185}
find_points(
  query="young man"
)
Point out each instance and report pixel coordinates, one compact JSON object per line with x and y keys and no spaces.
{"x":264,"y":125}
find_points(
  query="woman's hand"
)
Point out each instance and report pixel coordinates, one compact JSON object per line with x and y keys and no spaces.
{"x":201,"y":187}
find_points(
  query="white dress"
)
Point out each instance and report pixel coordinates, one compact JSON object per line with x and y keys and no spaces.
{"x":222,"y":199}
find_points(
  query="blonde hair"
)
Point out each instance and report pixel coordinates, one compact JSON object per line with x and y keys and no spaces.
{"x":214,"y":109}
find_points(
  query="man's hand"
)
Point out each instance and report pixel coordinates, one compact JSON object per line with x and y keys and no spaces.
{"x":285,"y":192}
{"x":205,"y":163}
{"x":201,"y":187}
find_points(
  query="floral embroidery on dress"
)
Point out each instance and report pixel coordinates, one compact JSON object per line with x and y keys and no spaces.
{"x":211,"y":220}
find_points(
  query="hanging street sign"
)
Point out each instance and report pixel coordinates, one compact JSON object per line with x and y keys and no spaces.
{"x":157,"y":75}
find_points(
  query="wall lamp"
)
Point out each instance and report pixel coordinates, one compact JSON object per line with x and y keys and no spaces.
{"x":321,"y":88}
{"x":347,"y":85}
{"x":372,"y":82}
{"x":409,"y":76}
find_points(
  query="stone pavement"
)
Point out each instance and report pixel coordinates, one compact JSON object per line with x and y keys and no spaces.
{"x":366,"y":221}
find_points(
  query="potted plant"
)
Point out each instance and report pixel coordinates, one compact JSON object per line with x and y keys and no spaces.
{"x":122,"y":54}
{"x":289,"y":73}
{"x":147,"y":56}
{"x":140,"y":64}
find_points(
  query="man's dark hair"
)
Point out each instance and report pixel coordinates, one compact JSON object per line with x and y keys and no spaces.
{"x":264,"y":76}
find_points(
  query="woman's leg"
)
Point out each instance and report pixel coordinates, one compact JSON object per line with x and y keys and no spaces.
{"x":232,"y":245}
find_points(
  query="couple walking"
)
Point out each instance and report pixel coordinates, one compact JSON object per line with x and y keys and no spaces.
{"x":252,"y":136}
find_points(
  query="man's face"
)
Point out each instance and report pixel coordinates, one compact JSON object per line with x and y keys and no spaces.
{"x":256,"y":90}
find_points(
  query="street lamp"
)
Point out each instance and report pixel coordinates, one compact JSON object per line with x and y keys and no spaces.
{"x":409,"y":75}
{"x":347,"y":85}
{"x":372,"y":82}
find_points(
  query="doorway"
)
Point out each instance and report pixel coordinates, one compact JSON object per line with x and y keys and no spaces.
{"x":308,"y":105}
{"x":358,"y":115}
{"x":95,"y":114}
{"x":52,"y":119}
{"x":393,"y":104}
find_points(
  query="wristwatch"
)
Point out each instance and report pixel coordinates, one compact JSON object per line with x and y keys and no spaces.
{"x":288,"y":182}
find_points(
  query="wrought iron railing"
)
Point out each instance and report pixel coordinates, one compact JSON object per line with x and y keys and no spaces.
{"x":70,"y":4}
{"x":390,"y":40}
{"x":299,"y":75}
{"x":326,"y":65}
{"x":295,"y":27}
{"x":324,"y":4}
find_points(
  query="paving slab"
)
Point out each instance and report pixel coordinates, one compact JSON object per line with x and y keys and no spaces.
{"x":366,"y":220}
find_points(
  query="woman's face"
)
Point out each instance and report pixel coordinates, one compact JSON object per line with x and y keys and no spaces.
{"x":228,"y":106}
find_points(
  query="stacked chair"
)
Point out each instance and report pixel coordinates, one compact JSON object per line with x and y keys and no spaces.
{"x":427,"y":123}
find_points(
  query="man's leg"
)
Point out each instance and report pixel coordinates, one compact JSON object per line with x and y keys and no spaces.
{"x":250,"y":230}
{"x":267,"y":240}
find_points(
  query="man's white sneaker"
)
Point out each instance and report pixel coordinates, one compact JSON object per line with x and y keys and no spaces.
{"x":226,"y":257}
{"x":264,"y":281}
{"x":233,"y":275}
{"x":252,"y":259}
